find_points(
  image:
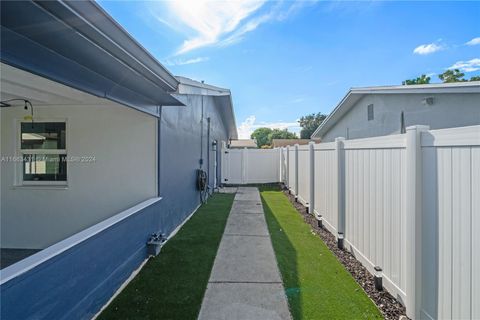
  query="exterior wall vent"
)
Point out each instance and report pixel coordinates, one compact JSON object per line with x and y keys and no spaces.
{"x":370,"y":112}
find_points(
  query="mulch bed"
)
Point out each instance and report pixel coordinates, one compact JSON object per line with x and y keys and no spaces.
{"x":386,"y":303}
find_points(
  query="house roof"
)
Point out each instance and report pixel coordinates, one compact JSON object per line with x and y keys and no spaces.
{"x":190,"y":86}
{"x":222,"y":96}
{"x":355,"y":94}
{"x":243,"y":143}
{"x":76,"y":43}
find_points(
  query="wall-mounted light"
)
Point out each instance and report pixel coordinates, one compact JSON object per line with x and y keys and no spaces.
{"x":377,"y":278}
{"x":27,"y":103}
{"x":340,"y":241}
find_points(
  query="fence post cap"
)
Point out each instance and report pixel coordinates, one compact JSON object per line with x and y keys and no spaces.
{"x":311,"y":142}
{"x":418,"y":127}
{"x":340,"y":139}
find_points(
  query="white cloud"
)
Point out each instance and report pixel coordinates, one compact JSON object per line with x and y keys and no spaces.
{"x":473,"y":42}
{"x":467,"y":66}
{"x":247,"y":27}
{"x":221,"y":23}
{"x":430,"y":48}
{"x":181,"y":62}
{"x":277,"y":12}
{"x":210,"y":20}
{"x":246,"y":128}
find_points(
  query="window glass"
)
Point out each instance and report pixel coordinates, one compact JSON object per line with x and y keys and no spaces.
{"x":44,"y":167}
{"x":42,"y":148}
{"x":43,"y":135}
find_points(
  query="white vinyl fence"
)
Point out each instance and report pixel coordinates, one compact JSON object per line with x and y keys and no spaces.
{"x":407,"y":203}
{"x":451,"y":220}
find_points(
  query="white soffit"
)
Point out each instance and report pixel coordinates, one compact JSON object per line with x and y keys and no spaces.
{"x":19,"y":84}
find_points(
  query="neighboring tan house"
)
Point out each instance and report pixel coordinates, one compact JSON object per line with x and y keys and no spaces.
{"x":377,"y":111}
{"x":278,"y":143}
{"x":243,"y":143}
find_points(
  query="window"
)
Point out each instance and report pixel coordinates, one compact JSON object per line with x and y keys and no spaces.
{"x":43,"y":152}
{"x":370,"y":112}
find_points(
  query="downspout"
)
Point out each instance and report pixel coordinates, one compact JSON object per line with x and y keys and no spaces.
{"x":203,"y":192}
{"x":159,"y":136}
{"x":208,"y":152}
{"x":201,"y":138}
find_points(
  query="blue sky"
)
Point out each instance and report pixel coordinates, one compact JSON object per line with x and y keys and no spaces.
{"x":285,"y":59}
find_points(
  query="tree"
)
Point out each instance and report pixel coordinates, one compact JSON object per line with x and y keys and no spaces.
{"x":310,"y":123}
{"x":452,"y":76}
{"x":476,"y":78}
{"x":423,"y":79}
{"x":260,"y":135}
{"x":281,"y":134}
{"x":264,"y":136}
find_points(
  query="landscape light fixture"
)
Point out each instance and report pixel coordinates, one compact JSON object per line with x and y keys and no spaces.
{"x":377,"y":277}
{"x":319,"y":220}
{"x":340,"y":241}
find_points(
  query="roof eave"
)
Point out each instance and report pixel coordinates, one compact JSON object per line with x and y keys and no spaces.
{"x":191,"y":87}
{"x":317,"y":134}
{"x":117,"y":36}
{"x":79,"y":45}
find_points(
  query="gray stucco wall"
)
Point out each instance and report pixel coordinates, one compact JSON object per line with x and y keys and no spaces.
{"x":180,"y":153}
{"x":448,"y":110}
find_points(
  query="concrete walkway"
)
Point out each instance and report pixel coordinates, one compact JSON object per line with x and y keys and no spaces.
{"x":245,"y":282}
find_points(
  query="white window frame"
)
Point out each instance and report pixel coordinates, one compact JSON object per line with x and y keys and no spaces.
{"x":20,"y":153}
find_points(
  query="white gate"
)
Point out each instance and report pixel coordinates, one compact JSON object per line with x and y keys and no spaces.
{"x":232,"y":166}
{"x":244,"y":166}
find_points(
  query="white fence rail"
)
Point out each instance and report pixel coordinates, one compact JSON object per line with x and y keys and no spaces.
{"x":409,"y":204}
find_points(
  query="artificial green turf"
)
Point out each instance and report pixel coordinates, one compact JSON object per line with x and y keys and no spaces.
{"x":172,"y":285}
{"x":316,"y":283}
